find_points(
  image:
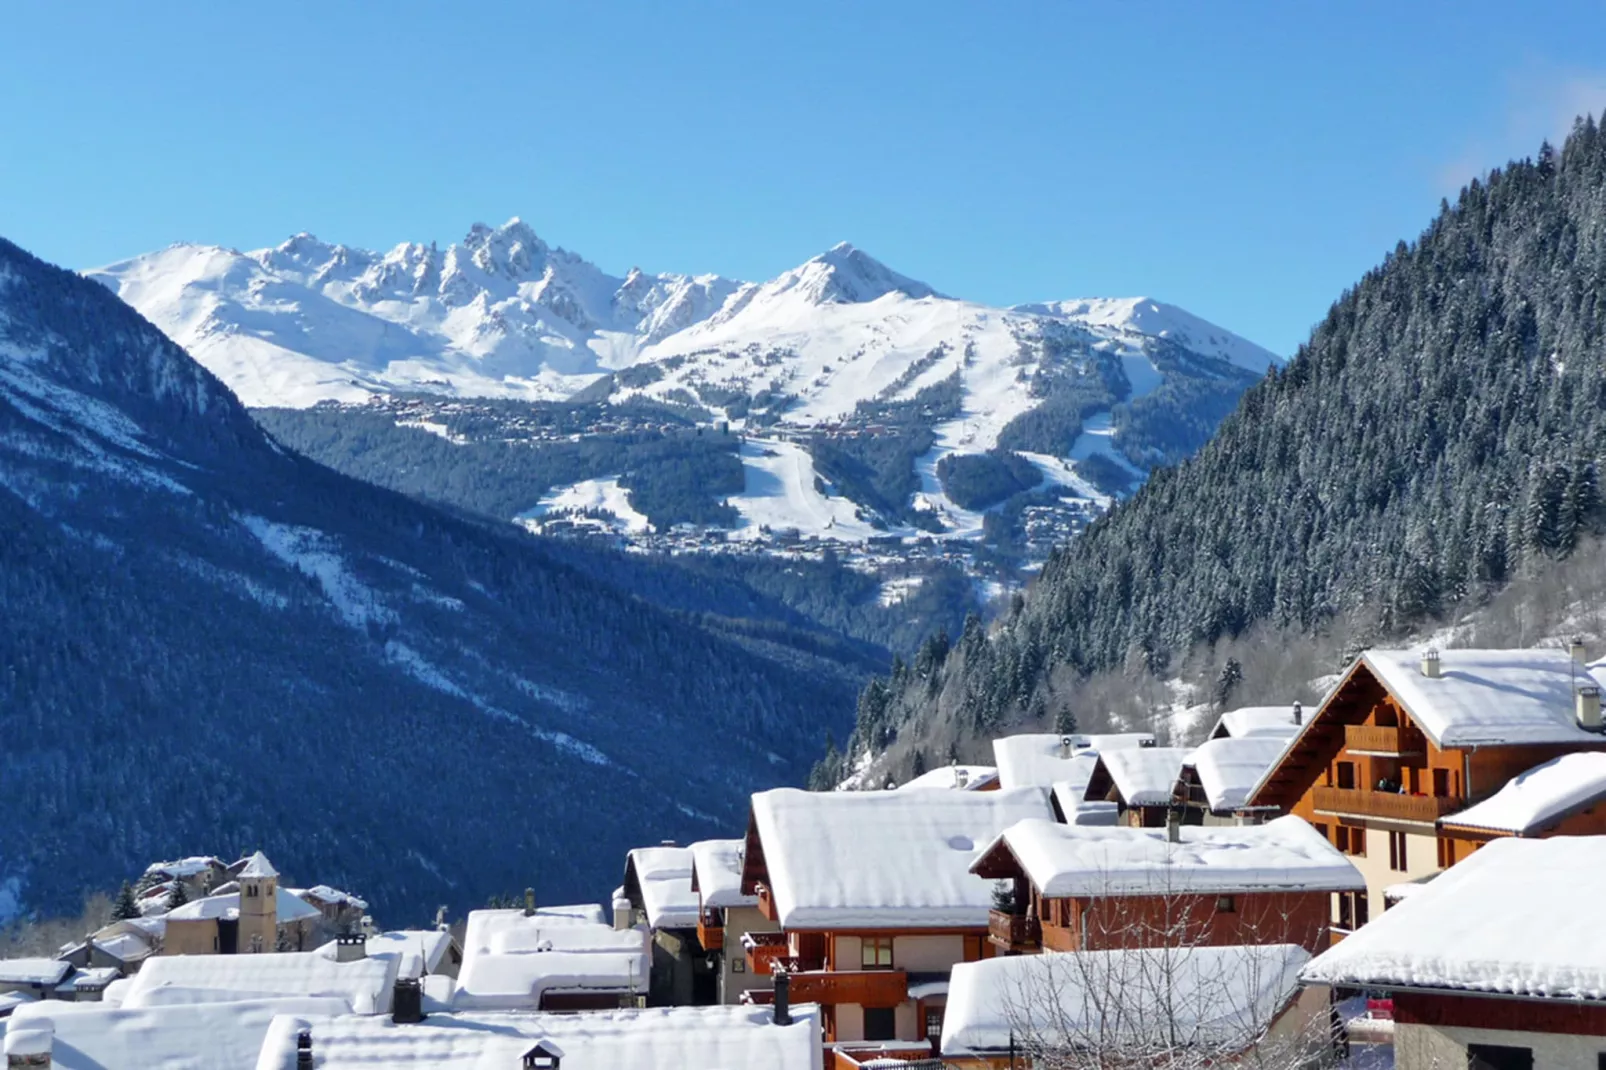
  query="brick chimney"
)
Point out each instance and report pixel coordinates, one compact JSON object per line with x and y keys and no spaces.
{"x":1430,"y":664}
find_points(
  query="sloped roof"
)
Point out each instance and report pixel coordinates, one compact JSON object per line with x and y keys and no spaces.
{"x":1259,"y":721}
{"x":660,"y":1038}
{"x":33,"y":971}
{"x":288,"y":906}
{"x":510,"y":960}
{"x":717,"y":874}
{"x":1145,"y":776}
{"x":1490,"y":924}
{"x":1038,"y":759}
{"x":95,"y":1036}
{"x":954,"y":777}
{"x":662,"y":877}
{"x":1078,"y":810}
{"x":1080,"y":861}
{"x":1229,"y":767}
{"x":1488,"y":696}
{"x":364,"y":985}
{"x":882,"y":859}
{"x":1212,"y":997}
{"x":258,"y":866}
{"x":1540,"y":797}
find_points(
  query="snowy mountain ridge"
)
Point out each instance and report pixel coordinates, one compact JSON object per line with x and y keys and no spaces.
{"x":504,"y":314}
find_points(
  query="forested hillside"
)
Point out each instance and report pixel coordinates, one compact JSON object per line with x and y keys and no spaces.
{"x":212,"y":643}
{"x":1440,"y":433}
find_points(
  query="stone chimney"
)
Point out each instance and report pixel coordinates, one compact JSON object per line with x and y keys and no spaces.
{"x":30,"y":1045}
{"x":304,"y":1050}
{"x":1430,"y":664}
{"x":1299,"y":713}
{"x":1067,"y":746}
{"x":783,"y":998}
{"x":961,"y":777}
{"x":1575,"y":649}
{"x":529,"y":902}
{"x":1586,"y":702}
{"x":349,"y":947}
{"x":1173,"y":823}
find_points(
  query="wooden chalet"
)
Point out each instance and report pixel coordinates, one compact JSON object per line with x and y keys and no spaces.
{"x":874,"y":902}
{"x":1484,"y":967}
{"x":726,"y":916}
{"x":1095,"y":889}
{"x":1406,"y":742}
{"x":1140,"y":781}
{"x":1219,"y":775}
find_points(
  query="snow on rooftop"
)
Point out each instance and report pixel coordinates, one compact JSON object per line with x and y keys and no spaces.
{"x":1145,"y":776}
{"x":1488,"y":696}
{"x":1068,"y":860}
{"x":1079,"y":810}
{"x":197,"y":1036}
{"x":33,"y":971}
{"x":1258,"y":721}
{"x":718,"y":866}
{"x":1039,"y":760}
{"x":1495,"y":923}
{"x":883,"y":859}
{"x":364,"y":985}
{"x":1229,"y":767}
{"x":663,"y":878}
{"x":1539,"y":797}
{"x":185,"y":868}
{"x":666,"y":1038}
{"x":258,"y":866}
{"x":418,"y":951}
{"x":227,"y":905}
{"x":510,"y":961}
{"x":325,"y":894}
{"x":959,"y":777}
{"x":1214,"y":997}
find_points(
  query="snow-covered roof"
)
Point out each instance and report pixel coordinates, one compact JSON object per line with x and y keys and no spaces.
{"x":95,"y":977}
{"x":1488,"y":696}
{"x":660,"y":1038}
{"x":33,"y":971}
{"x":717,"y":874}
{"x":325,"y":894}
{"x":1539,"y":797}
{"x":289,"y":907}
{"x":258,"y":866}
{"x":1070,"y":860}
{"x":10,"y":1001}
{"x":1229,"y":767}
{"x":364,"y":985}
{"x":1038,"y":759}
{"x":213,"y":1036}
{"x":1259,"y":721}
{"x":883,"y":859}
{"x":663,"y":879}
{"x":955,"y":777}
{"x":185,"y":868}
{"x":1145,"y":776}
{"x":1495,"y":923}
{"x":1213,"y":997}
{"x":417,"y":951}
{"x":510,"y":960}
{"x":1078,"y":810}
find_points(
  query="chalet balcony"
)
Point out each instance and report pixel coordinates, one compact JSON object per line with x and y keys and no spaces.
{"x":762,"y":951}
{"x":1375,"y":739}
{"x":1384,"y":804}
{"x":868,"y":988}
{"x":711,"y":930}
{"x":1014,"y":933}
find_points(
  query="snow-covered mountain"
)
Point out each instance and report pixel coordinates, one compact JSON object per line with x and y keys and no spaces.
{"x":502,"y":313}
{"x":829,"y":348}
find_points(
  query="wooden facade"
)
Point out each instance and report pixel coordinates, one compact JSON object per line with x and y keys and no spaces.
{"x":1367,"y":777}
{"x":1485,"y":1012}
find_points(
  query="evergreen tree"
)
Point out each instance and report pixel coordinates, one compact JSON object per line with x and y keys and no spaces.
{"x":1064,"y":721}
{"x":177,"y":896}
{"x":1232,"y":674}
{"x":125,"y":908}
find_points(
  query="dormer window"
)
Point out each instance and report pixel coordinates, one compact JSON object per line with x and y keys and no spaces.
{"x":544,"y":1056}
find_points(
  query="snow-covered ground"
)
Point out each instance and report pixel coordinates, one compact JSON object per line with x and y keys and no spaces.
{"x":590,"y":496}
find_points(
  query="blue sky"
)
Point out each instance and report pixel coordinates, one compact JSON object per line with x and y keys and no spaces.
{"x":1246,"y":161}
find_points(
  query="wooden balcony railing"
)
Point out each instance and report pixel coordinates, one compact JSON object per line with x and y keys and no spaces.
{"x":1384,"y":804}
{"x":762,"y":951}
{"x":711,"y":930}
{"x":1381,"y":740}
{"x":868,"y":988}
{"x":1014,"y":932}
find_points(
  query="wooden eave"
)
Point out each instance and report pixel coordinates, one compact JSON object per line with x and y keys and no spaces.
{"x":1101,"y":785}
{"x":1321,"y":738}
{"x":754,"y":869}
{"x":998,"y":862}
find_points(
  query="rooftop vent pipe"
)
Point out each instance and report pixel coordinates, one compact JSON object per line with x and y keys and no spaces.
{"x":1299,"y":713}
{"x":783,"y":998}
